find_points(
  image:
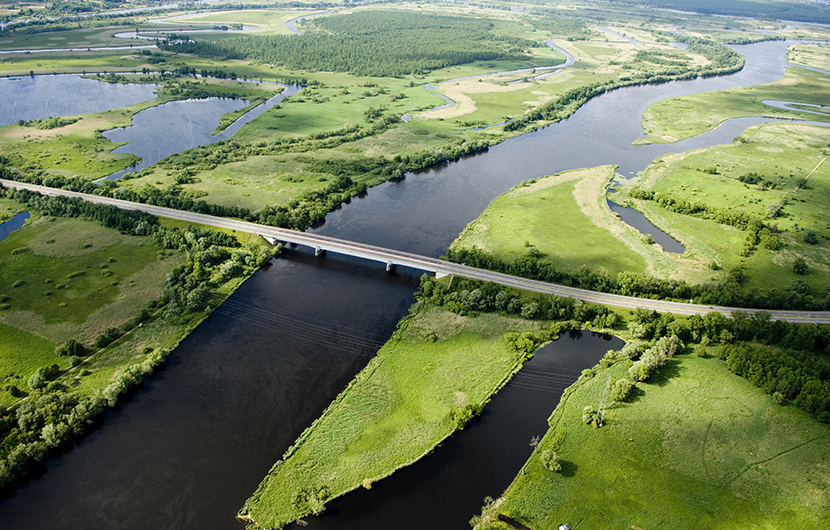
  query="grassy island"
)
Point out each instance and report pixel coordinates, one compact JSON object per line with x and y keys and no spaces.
{"x":436,"y":373}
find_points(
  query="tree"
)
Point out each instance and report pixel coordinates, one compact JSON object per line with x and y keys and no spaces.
{"x":621,"y":390}
{"x":800,"y":266}
{"x":811,"y":238}
{"x":551,"y":461}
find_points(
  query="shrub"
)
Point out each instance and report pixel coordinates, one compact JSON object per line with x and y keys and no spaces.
{"x":461,"y":417}
{"x":551,"y":461}
{"x":18,"y":283}
{"x":621,"y":390}
{"x":800,"y":266}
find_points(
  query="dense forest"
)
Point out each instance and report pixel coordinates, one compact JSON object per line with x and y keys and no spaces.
{"x":764,"y":9}
{"x":370,"y":43}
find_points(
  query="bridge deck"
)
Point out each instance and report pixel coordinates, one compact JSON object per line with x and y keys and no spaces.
{"x":396,"y":257}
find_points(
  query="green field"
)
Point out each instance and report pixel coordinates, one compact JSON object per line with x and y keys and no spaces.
{"x":398,"y":409}
{"x":566,"y":219}
{"x":697,"y":448}
{"x":673,"y":119}
{"x":782,"y":156}
{"x":78,"y":278}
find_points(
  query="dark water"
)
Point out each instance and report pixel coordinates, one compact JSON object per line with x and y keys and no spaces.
{"x":161,"y":131}
{"x":28,"y":98}
{"x":442,"y":491}
{"x":13,"y":224}
{"x":189,"y":449}
{"x":639,"y":221}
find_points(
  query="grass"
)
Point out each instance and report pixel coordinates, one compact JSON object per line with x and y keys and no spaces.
{"x":394,"y":412}
{"x":813,"y":55}
{"x":79,"y":278}
{"x":21,"y":354}
{"x":673,"y":119}
{"x":557,"y":219}
{"x":781,"y":154}
{"x":268,"y":21}
{"x":565,"y":217}
{"x":733,"y":459}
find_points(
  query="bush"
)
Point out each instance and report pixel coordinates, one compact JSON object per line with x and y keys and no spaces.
{"x":551,"y":461}
{"x":461,"y":417}
{"x":621,"y":390}
{"x":800,"y":266}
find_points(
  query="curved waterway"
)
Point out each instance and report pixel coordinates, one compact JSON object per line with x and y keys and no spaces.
{"x":188,"y":449}
{"x":177,"y":126}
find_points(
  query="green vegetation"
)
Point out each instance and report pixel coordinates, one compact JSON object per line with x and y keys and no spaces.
{"x":673,"y":119}
{"x":696,"y":444}
{"x":436,"y":372}
{"x":755,"y":9}
{"x":93,"y":299}
{"x":771,"y":184}
{"x":370,"y":42}
{"x":812,"y":55}
{"x":563,"y":219}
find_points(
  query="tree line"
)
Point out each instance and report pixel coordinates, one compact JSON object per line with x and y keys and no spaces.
{"x":787,"y":360}
{"x":723,"y":61}
{"x":532,"y":265}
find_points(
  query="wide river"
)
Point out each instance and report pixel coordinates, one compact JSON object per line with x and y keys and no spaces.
{"x":189,"y":448}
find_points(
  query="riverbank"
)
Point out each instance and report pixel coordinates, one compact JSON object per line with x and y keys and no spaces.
{"x":675,"y":450}
{"x":80,"y":341}
{"x":674,"y":119}
{"x":435,"y":374}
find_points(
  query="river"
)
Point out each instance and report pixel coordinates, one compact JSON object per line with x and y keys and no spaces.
{"x":190,"y":447}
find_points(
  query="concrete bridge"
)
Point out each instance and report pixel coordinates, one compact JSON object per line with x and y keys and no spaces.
{"x":391,"y":258}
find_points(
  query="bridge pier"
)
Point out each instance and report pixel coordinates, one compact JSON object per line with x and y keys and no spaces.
{"x":319,"y":251}
{"x":273,"y":240}
{"x":389,"y":266}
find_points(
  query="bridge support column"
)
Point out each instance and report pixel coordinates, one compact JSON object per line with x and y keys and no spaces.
{"x":273,"y":240}
{"x":318,"y":251}
{"x":389,"y":266}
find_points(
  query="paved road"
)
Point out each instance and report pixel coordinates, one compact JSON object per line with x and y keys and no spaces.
{"x":395,"y":257}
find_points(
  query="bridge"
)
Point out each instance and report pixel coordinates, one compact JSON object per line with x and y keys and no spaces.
{"x":391,"y":258}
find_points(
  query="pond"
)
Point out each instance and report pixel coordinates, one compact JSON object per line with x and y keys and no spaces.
{"x":13,"y":224}
{"x":42,"y":96}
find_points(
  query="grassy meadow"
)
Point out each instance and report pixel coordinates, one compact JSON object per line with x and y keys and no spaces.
{"x":566,"y":219}
{"x":398,"y":409}
{"x":782,"y":156}
{"x":64,"y":278}
{"x":673,"y":119}
{"x":734,"y":459}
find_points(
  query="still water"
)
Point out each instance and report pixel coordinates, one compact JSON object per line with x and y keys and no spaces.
{"x":28,"y":98}
{"x":194,"y":444}
{"x":17,"y":221}
{"x":161,"y":131}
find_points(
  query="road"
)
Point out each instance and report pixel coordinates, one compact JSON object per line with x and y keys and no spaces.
{"x":441,"y":268}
